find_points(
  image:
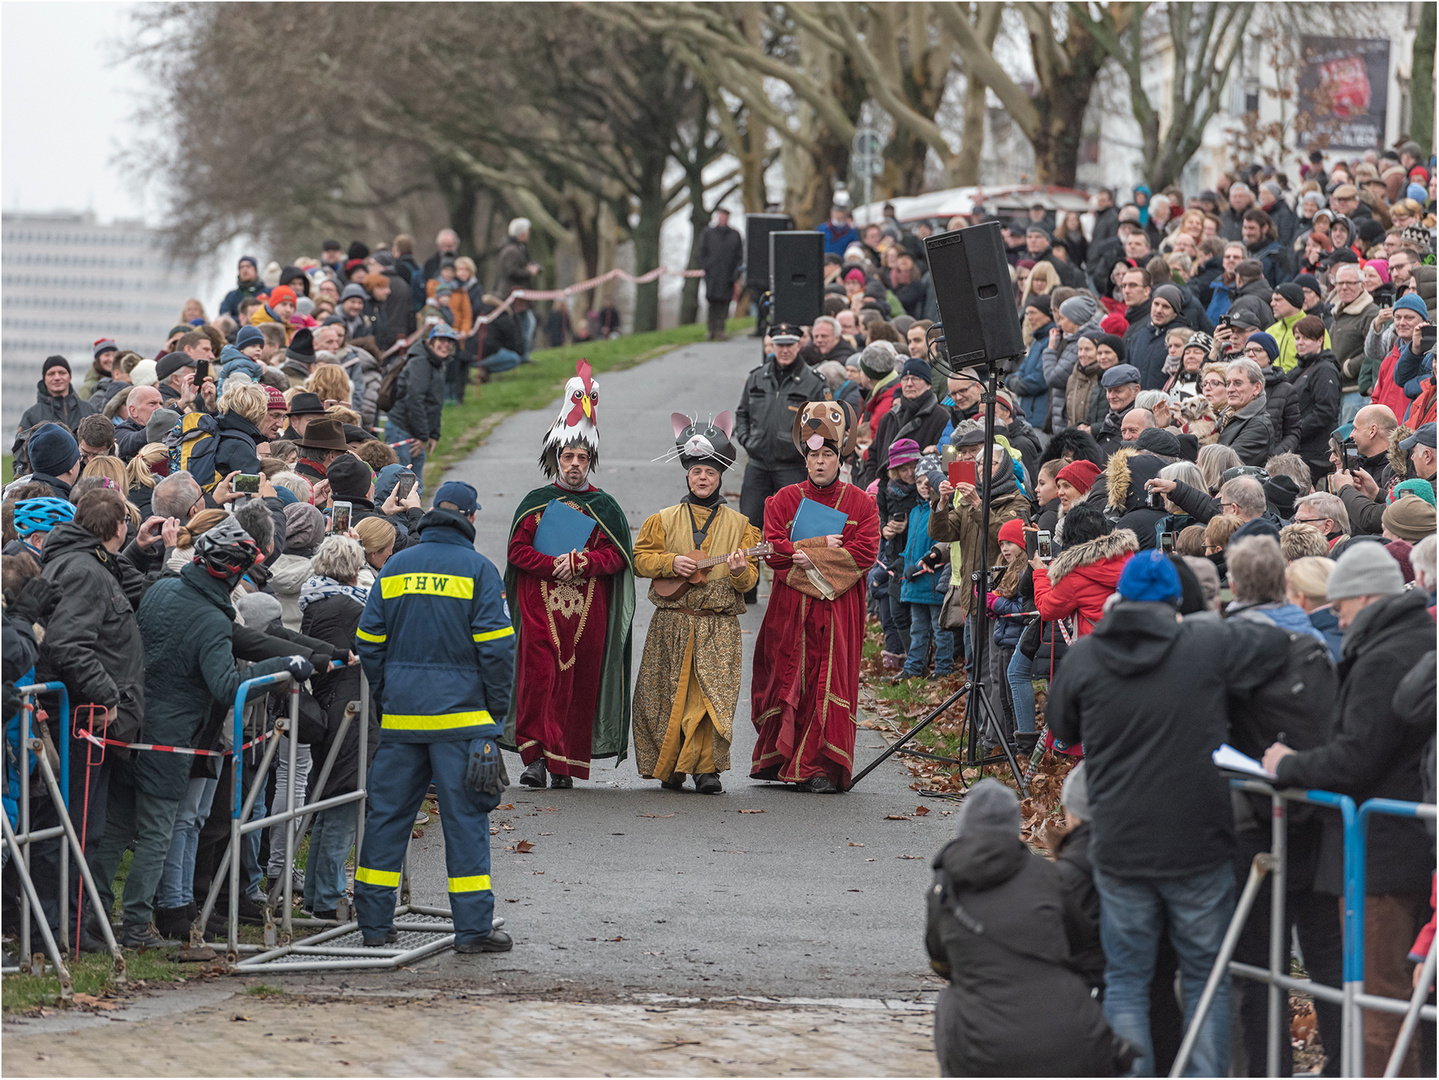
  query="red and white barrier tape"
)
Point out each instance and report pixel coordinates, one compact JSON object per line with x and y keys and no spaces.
{"x":93,"y":738}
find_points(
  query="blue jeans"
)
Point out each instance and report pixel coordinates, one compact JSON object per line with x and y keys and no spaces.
{"x":924,"y":627}
{"x":1021,"y":688}
{"x":177,"y":879}
{"x":527,"y":322}
{"x":332,"y":834}
{"x":501,"y":360}
{"x":1133,"y":914}
{"x":411,"y":455}
{"x":303,"y":763}
{"x":1350,"y":404}
{"x":250,"y":843}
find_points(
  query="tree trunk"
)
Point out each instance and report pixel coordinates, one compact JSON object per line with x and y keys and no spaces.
{"x":1421,"y":84}
{"x":699,"y":219}
{"x":461,"y":200}
{"x":964,"y":170}
{"x":1061,"y":122}
{"x":646,"y":237}
{"x":904,"y":160}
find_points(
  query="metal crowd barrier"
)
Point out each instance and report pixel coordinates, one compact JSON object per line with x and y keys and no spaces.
{"x":19,"y":845}
{"x":1351,"y":997}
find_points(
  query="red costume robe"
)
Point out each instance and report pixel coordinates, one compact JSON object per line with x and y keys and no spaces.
{"x":562,"y":632}
{"x":805,"y":687}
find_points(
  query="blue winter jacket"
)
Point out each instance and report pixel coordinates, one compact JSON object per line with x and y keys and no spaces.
{"x":1029,"y":382}
{"x":233,"y":360}
{"x":1327,"y":623}
{"x":436,"y":640}
{"x":1220,"y":298}
{"x":837,"y":238}
{"x":927,"y":588}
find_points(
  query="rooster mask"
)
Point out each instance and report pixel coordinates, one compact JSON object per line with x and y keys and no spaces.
{"x":577,"y":424}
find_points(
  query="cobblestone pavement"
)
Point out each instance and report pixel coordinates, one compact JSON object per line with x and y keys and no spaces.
{"x":281,"y":1035}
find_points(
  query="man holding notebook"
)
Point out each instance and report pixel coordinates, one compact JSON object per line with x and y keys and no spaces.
{"x":805,"y":686}
{"x":570,"y":581}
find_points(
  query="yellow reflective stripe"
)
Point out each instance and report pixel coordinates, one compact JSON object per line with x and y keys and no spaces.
{"x":365,"y":635}
{"x":491,"y":635}
{"x":438,"y":722}
{"x":450,"y":585}
{"x":390,"y":878}
{"x":476,"y":883}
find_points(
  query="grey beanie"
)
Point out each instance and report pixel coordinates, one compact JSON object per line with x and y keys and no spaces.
{"x":258,"y":609}
{"x":989,"y":805}
{"x":159,"y":424}
{"x":1170,"y":295}
{"x":877,"y":360}
{"x":1079,"y":309}
{"x":353,"y":292}
{"x":1365,"y":570}
{"x":1074,"y":795}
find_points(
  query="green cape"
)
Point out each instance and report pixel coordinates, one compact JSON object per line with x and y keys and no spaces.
{"x":611,"y":735}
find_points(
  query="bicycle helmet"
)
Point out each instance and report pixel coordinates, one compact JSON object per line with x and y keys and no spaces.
{"x":41,"y":515}
{"x":227,"y":551}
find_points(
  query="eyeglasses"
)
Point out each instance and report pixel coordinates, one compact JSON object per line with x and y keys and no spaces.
{"x":1226,"y":505}
{"x":1309,"y":521}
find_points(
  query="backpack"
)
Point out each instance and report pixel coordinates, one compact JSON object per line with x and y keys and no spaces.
{"x":390,"y":386}
{"x":194,"y":442}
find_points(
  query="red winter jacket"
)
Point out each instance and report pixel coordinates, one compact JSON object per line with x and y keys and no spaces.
{"x":1082,"y":578}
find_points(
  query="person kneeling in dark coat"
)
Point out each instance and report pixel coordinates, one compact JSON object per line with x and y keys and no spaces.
{"x":999,"y":932}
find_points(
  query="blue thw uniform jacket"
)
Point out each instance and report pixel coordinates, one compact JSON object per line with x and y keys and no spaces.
{"x":436,"y":639}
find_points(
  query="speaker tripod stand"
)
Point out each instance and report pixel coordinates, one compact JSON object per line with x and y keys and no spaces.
{"x":978,"y":712}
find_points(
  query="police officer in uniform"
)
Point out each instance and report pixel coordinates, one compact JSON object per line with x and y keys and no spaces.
{"x":438,"y":647}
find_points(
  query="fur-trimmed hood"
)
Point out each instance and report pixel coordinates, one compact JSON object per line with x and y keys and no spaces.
{"x":1120,"y":542}
{"x":1127,"y":472}
{"x":1398,"y":459}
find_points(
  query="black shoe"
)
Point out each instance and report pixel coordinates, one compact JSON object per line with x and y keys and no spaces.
{"x":92,"y":943}
{"x":534,"y":774}
{"x":391,"y":936}
{"x":173,"y":923}
{"x":1025,"y":742}
{"x":708,"y":784}
{"x":752,"y":597}
{"x":250,"y":911}
{"x":562,"y":782}
{"x":770,"y":773}
{"x":498,"y":941}
{"x":331,"y":915}
{"x":141,"y":937}
{"x":819,"y":785}
{"x":676,"y":782}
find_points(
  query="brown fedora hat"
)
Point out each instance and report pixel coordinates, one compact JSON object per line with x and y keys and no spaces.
{"x":326,"y":433}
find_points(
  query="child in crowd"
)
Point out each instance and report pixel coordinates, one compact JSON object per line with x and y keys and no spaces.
{"x":925,"y":583}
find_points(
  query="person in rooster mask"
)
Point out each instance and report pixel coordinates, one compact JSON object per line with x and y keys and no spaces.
{"x":703,"y":559}
{"x":572,"y":605}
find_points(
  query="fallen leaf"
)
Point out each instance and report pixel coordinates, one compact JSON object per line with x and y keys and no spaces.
{"x":507,"y":806}
{"x":851,"y":890}
{"x":853,"y":844}
{"x":751,"y":811}
{"x":524,"y":847}
{"x":921,"y":810}
{"x":614,"y":939}
{"x":417,"y":834}
{"x":896,"y":817}
{"x":237,"y":1016}
{"x":661,"y":815}
{"x":543,"y":809}
{"x":909,"y":856}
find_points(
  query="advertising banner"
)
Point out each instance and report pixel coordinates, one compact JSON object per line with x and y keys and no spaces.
{"x":1343,"y":92}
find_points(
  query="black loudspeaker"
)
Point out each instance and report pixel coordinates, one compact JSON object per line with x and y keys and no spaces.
{"x":757,"y":228}
{"x":796,"y":278}
{"x":976,"y":297}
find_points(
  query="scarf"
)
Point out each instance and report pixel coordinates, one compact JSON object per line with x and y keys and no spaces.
{"x":321,"y":588}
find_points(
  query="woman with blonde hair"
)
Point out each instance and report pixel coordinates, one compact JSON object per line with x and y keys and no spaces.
{"x":243,"y":407}
{"x":331,"y":384}
{"x":191,"y":531}
{"x":112,"y":469}
{"x":1214,"y":461}
{"x":140,"y":478}
{"x":377,"y":537}
{"x":1306,"y":583}
{"x":1042,"y":279}
{"x":193,"y":310}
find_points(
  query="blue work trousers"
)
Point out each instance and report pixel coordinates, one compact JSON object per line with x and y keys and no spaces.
{"x":399,"y":777}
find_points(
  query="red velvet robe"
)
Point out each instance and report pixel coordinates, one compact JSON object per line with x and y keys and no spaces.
{"x":561,"y":648}
{"x":805,"y":687}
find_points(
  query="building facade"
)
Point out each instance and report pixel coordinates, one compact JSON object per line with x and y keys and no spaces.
{"x":69,"y":280}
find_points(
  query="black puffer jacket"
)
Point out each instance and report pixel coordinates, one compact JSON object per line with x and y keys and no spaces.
{"x":92,"y":641}
{"x":999,"y":931}
{"x":1283,"y":411}
{"x":1374,"y":753}
{"x":420,"y":393}
{"x":334,"y":619}
{"x":68,"y":410}
{"x":1317,"y":389}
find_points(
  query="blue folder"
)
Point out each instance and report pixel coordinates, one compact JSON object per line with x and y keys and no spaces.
{"x":562,"y":529}
{"x":815,"y":519}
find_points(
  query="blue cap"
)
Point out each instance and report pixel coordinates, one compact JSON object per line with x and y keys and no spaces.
{"x":1344,"y":432}
{"x":249,"y":335}
{"x":1413,"y":302}
{"x":460,"y":494}
{"x":1119,"y":375}
{"x":919,"y":368}
{"x":1150,"y":577}
{"x":1423,"y":436}
{"x":1265,"y":342}
{"x":443,"y":330}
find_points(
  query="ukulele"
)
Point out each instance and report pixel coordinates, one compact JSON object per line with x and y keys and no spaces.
{"x":673,"y":588}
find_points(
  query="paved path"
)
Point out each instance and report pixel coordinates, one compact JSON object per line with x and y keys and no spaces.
{"x":633,"y":887}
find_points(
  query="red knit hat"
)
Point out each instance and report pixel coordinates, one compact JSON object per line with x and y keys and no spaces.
{"x":275,"y":401}
{"x":1079,"y":475}
{"x":1013,"y":531}
{"x":1115,"y":324}
{"x":280,"y":293}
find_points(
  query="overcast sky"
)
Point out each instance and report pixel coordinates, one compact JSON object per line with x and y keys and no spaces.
{"x":67,"y":107}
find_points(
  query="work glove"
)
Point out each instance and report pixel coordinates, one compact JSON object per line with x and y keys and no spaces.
{"x":486,"y":772}
{"x":36,"y":601}
{"x":299,"y":667}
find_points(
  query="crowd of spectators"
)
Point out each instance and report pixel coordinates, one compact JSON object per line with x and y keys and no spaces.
{"x":1213,"y":476}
